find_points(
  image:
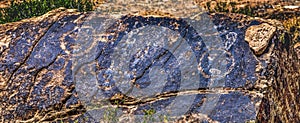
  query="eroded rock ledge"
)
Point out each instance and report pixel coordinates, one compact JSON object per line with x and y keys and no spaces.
{"x":36,"y":81}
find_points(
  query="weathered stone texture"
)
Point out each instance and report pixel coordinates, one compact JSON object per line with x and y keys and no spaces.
{"x":36,"y":81}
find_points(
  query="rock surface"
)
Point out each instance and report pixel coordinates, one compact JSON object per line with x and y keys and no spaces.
{"x":35,"y":73}
{"x":297,"y":49}
{"x":259,"y":36}
{"x":37,"y":85}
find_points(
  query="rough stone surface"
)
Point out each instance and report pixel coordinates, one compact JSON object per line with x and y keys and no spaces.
{"x":258,"y":37}
{"x":36,"y":83}
{"x":35,"y":67}
{"x":297,"y":49}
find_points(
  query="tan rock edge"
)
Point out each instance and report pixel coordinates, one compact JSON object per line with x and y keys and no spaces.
{"x":258,"y":37}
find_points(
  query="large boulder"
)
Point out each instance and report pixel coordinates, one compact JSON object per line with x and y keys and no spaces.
{"x":37,"y":72}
